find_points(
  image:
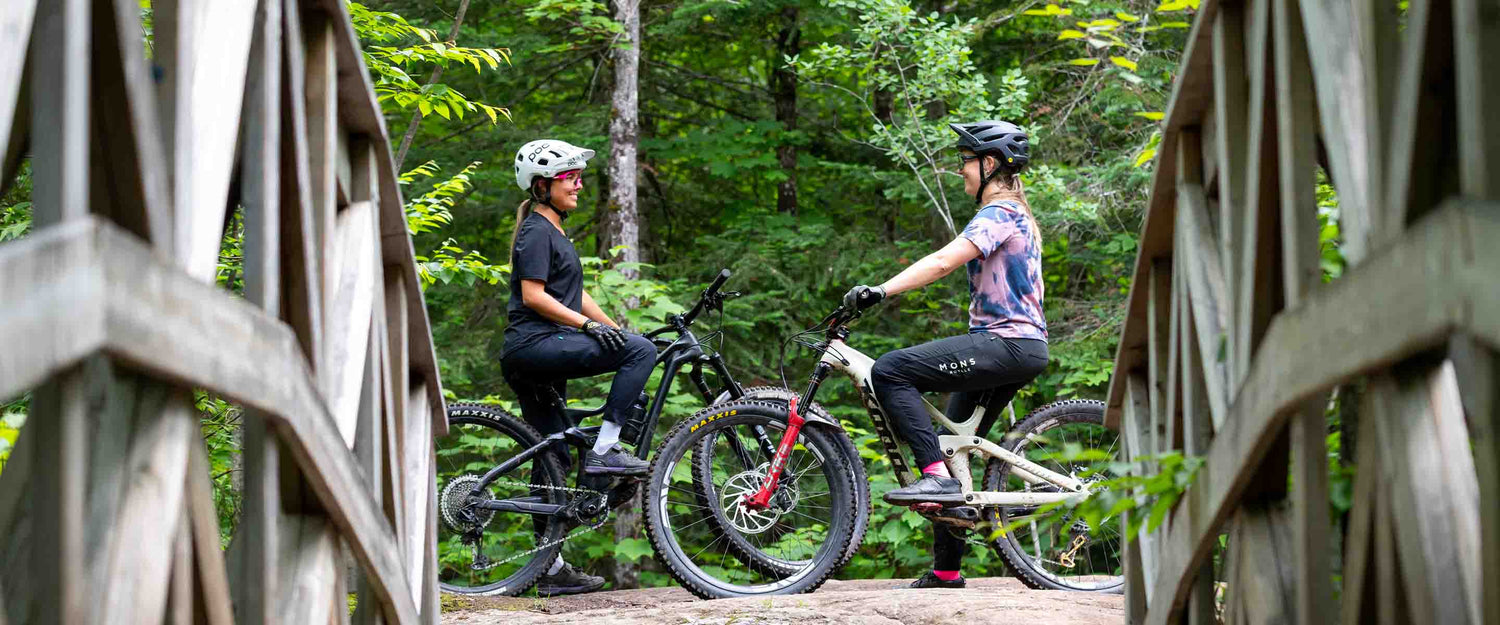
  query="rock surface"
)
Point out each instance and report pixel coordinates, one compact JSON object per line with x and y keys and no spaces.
{"x":871,"y":602}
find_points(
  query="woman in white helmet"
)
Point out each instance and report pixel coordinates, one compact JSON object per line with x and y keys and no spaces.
{"x":557,"y":332}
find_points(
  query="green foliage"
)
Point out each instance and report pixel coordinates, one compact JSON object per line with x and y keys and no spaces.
{"x":416,"y":48}
{"x":429,"y":212}
{"x":914,"y":60}
{"x":219,"y":422}
{"x":15,"y":206}
{"x":1144,"y":489}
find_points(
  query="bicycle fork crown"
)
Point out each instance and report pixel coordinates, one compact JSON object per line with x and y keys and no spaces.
{"x":761,"y":499}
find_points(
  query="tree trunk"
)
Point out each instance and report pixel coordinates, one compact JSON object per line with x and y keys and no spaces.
{"x":784,"y":86}
{"x":622,"y":225}
{"x":623,"y":221}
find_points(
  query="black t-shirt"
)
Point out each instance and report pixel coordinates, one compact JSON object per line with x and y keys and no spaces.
{"x":541,"y":253}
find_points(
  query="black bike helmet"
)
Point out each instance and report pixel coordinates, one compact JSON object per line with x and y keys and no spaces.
{"x":1003,"y":140}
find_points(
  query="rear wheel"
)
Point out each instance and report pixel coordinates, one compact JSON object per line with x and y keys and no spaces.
{"x":484,"y":552}
{"x":1056,"y":554}
{"x":808,"y":524}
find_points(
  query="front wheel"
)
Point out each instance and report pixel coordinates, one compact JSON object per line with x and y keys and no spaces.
{"x":1056,"y":554}
{"x":808,"y":525}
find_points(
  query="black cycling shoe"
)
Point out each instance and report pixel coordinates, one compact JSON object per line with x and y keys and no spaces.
{"x":931,"y":580}
{"x":568,"y":581}
{"x":929,"y":489}
{"x":614,"y":462}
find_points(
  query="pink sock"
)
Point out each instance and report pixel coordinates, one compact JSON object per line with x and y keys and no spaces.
{"x":946,"y":576}
{"x":939,"y":469}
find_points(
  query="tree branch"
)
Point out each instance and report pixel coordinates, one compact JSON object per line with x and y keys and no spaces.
{"x":432,"y":78}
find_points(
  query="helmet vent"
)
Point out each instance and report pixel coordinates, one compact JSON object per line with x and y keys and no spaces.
{"x":542,"y":161}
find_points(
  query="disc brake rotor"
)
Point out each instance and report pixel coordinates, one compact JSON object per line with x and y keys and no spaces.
{"x":745,"y":520}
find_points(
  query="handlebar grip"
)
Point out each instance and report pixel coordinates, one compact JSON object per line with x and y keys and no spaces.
{"x":708,"y":294}
{"x":719,"y":281}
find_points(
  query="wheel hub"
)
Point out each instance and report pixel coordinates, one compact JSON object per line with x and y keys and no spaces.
{"x":747,"y":520}
{"x":458,"y":506}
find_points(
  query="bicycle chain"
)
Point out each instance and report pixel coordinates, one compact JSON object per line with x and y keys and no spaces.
{"x":604,"y":518}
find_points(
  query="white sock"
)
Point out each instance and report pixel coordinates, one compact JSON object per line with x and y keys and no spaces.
{"x":608,"y":436}
{"x":556,"y":565}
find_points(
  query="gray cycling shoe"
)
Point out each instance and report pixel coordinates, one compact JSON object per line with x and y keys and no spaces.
{"x":614,"y":462}
{"x":568,"y":581}
{"x":929,"y":489}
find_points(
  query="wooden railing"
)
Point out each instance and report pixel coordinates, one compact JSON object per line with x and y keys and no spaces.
{"x":1234,"y":343}
{"x":111,"y":317}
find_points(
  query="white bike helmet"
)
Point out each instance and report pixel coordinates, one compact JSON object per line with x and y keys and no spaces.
{"x":548,"y":158}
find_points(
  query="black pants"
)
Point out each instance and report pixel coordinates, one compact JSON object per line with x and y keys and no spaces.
{"x":967,"y":366}
{"x":566,"y":355}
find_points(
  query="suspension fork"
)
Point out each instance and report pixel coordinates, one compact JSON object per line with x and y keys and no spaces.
{"x":761,"y":499}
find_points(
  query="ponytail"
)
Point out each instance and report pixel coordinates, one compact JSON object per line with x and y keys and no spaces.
{"x":522,"y":212}
{"x":1011,"y":189}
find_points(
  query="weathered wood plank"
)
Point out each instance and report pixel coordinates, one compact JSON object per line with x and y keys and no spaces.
{"x":430,"y":606}
{"x":302,"y":276}
{"x":1476,"y":45}
{"x":1338,"y":75}
{"x":127,"y":133}
{"x":308,"y":550}
{"x":1257,"y":294}
{"x":398,"y":401}
{"x":1231,"y":97}
{"x":322,"y":145}
{"x":1201,"y":607}
{"x":1419,"y":283}
{"x":260,"y":177}
{"x":1136,"y":429}
{"x":1375,"y":26}
{"x":57,"y":531}
{"x":1477,"y":369}
{"x":1296,"y":147}
{"x":215,"y":607}
{"x":1197,"y":420}
{"x":1158,"y":314}
{"x":1207,"y":296}
{"x":1178,"y":305}
{"x":1417,"y":161}
{"x":258,"y":576}
{"x":136,"y":577}
{"x":1358,"y":591}
{"x":60,"y":108}
{"x":349,"y":316}
{"x":206,"y":130}
{"x":1435,"y":496}
{"x":1135,"y":580}
{"x":15,"y":39}
{"x":1301,"y":273}
{"x":1267,"y":582}
{"x":418,"y":458}
{"x":180,"y":594}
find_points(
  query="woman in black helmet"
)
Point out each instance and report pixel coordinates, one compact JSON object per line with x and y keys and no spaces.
{"x":557,"y":332}
{"x":1006,"y":345}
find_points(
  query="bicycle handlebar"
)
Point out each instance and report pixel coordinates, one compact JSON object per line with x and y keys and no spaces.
{"x":709,"y":295}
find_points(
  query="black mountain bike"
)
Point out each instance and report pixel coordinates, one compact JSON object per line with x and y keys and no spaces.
{"x":505,"y":505}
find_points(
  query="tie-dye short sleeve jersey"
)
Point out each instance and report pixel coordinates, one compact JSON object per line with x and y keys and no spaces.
{"x":1005,"y":282}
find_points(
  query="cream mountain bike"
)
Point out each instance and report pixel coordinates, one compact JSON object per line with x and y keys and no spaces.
{"x":753,"y":496}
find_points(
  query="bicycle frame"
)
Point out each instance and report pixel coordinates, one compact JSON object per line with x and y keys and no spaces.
{"x":956,"y":447}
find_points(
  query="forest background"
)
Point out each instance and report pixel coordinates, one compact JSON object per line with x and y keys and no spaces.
{"x":801,"y":144}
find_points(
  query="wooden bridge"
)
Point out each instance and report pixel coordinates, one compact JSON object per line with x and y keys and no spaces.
{"x":1234,"y":343}
{"x":111,"y":317}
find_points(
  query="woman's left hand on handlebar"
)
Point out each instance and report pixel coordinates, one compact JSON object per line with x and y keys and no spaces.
{"x":862,"y":297}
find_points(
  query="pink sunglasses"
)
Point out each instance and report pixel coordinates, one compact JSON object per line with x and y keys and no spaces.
{"x":574,"y":175}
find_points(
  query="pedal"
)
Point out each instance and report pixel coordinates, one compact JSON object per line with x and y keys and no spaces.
{"x":956,"y":516}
